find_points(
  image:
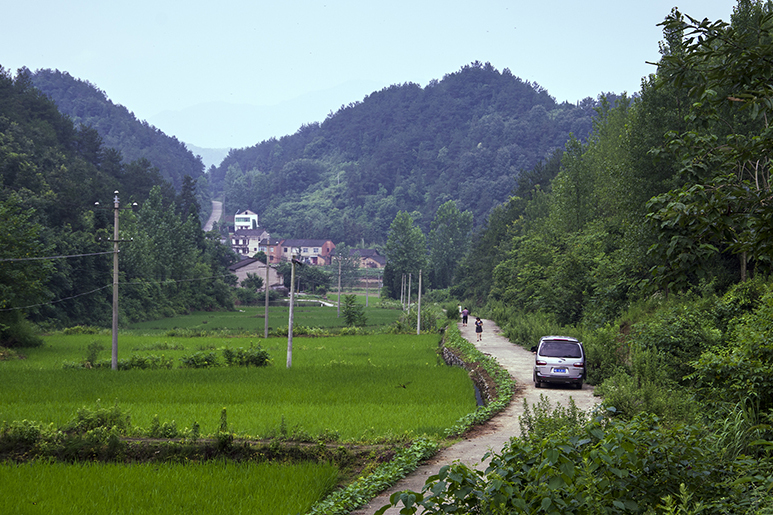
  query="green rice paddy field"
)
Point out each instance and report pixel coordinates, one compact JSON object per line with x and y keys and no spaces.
{"x":171,"y":488}
{"x":362,"y":388}
{"x":365,"y":388}
{"x":252,"y":318}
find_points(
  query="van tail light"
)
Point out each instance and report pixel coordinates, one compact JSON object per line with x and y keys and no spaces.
{"x":541,"y":363}
{"x":580,"y":364}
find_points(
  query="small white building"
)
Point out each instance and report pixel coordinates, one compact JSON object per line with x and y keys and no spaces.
{"x":245,"y":220}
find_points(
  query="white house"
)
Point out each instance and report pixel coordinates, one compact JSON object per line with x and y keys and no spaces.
{"x":245,"y":220}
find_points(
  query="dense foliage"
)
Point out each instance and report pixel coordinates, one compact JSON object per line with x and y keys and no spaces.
{"x":404,"y":148}
{"x":651,"y":243}
{"x":55,"y":262}
{"x":117,"y":127}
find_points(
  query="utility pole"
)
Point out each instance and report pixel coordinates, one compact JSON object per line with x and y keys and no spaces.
{"x":116,"y":208}
{"x":418,"y":308}
{"x":116,"y":241}
{"x":293,"y":262}
{"x":339,"y":286}
{"x":410,"y":277}
{"x":265,"y":290}
{"x":367,"y":282}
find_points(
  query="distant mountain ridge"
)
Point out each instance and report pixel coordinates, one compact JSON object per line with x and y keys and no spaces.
{"x":86,"y":104}
{"x":464,"y":138}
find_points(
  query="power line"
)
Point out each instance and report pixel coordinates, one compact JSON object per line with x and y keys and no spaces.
{"x":56,"y":257}
{"x":57,"y":301}
{"x":50,"y":303}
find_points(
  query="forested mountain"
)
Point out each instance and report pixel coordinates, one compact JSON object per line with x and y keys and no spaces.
{"x":117,"y":126}
{"x":55,"y":250}
{"x":404,"y":148}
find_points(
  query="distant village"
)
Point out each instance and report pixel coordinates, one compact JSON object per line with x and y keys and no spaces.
{"x":247,"y":238}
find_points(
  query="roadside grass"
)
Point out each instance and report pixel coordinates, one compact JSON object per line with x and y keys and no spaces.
{"x":250,"y":319}
{"x":216,"y":487}
{"x":370,"y":388}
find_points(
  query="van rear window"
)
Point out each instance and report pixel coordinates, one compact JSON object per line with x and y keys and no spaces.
{"x":554,"y":349}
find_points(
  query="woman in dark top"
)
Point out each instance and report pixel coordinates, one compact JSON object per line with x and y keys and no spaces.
{"x":479,"y":327}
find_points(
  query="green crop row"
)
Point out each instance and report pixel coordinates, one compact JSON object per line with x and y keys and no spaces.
{"x":215,"y":487}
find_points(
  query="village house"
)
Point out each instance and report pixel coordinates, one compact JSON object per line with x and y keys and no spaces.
{"x":246,"y":242}
{"x":245,"y":220}
{"x":369,"y":258}
{"x":313,"y":252}
{"x":247,"y":238}
{"x":253,"y":266}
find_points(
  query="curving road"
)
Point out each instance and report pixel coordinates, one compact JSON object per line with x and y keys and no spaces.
{"x":495,"y":433}
{"x":217,"y":212}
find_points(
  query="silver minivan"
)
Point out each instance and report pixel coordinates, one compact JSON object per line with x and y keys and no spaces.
{"x":559,"y":359}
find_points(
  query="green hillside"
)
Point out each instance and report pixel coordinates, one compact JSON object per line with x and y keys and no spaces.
{"x":465,"y":138}
{"x":86,"y":104}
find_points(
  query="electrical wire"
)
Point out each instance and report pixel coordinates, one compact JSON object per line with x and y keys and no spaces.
{"x":55,"y":257}
{"x":50,"y":303}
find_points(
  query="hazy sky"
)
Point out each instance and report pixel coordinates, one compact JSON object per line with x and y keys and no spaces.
{"x":161,"y":56}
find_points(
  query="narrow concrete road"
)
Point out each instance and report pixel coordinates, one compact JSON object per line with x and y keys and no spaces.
{"x":495,"y":433}
{"x":217,"y":212}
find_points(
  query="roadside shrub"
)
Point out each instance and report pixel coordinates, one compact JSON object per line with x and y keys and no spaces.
{"x":241,"y":357}
{"x":742,"y":370}
{"x":162,"y":430}
{"x":16,"y":331}
{"x":741,"y":299}
{"x":605,"y":354}
{"x":611,"y":468}
{"x":200,"y":359}
{"x":81,"y":329}
{"x":85,"y":419}
{"x":21,"y":433}
{"x":245,"y":297}
{"x":352,"y":330}
{"x":452,"y":310}
{"x":136,"y":361}
{"x":440,"y":297}
{"x":681,"y":334}
{"x":526,"y":329}
{"x":542,"y":419}
{"x":431,"y":316}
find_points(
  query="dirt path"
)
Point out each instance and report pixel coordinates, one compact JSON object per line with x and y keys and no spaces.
{"x":217,"y":212}
{"x":495,"y":433}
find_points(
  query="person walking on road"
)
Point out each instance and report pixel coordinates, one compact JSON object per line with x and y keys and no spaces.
{"x":465,"y":314}
{"x":479,"y":328}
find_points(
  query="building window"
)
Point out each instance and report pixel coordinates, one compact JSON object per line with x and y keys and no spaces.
{"x":305,"y":250}
{"x":316,"y":250}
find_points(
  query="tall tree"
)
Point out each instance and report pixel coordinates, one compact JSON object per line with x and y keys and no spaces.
{"x":22,"y":281}
{"x":726,"y":203}
{"x":449,"y":238}
{"x":406,"y":251}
